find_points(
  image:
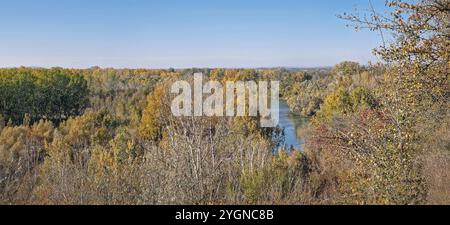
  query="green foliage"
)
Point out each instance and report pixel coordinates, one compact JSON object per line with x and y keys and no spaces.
{"x":53,"y":94}
{"x":343,"y":102}
{"x":305,"y":98}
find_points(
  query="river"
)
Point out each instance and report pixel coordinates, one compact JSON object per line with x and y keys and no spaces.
{"x":293,"y":125}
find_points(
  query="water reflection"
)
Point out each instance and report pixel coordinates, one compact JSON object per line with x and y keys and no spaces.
{"x":293,"y":126}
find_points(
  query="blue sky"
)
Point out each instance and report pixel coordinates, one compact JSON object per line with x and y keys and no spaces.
{"x":181,"y":34}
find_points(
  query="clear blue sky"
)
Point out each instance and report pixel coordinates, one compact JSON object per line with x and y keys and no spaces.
{"x":181,"y":33}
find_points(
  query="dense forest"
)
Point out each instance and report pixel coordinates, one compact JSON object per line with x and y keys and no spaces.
{"x":378,"y":133}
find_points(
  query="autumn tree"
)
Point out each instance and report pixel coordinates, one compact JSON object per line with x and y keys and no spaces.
{"x":380,"y":150}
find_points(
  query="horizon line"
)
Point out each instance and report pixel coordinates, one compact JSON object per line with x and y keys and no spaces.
{"x":174,"y":68}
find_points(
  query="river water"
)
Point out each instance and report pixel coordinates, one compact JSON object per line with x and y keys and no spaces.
{"x":293,"y":125}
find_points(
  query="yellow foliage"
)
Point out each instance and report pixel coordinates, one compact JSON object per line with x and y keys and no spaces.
{"x":154,"y":114}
